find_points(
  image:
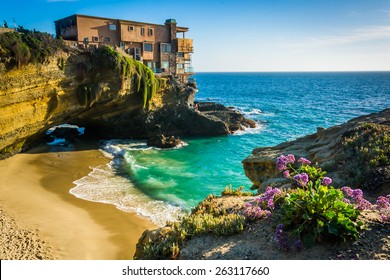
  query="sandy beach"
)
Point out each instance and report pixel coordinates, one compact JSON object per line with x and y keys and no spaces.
{"x":40,"y":219}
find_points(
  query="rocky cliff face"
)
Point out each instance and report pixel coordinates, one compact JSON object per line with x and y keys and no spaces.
{"x":88,"y":90}
{"x":356,"y":153}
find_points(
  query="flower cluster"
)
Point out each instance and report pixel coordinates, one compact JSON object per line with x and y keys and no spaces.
{"x":302,"y":179}
{"x":282,"y":161}
{"x":268,"y":197}
{"x":281,"y":238}
{"x":357,"y":197}
{"x":253,"y":212}
{"x":304,"y":161}
{"x":326,"y":181}
{"x":383,"y":206}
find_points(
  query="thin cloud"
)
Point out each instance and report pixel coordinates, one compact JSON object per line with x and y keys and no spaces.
{"x":372,"y":33}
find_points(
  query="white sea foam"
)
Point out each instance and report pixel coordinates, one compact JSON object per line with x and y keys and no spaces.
{"x":106,"y":185}
{"x":249,"y":130}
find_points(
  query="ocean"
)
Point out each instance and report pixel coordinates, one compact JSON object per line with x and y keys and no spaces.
{"x":163,"y":184}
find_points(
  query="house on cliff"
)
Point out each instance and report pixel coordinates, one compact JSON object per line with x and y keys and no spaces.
{"x":157,"y":46}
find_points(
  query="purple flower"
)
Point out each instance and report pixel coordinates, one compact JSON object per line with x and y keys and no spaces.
{"x":286,"y":174}
{"x":347,"y":190}
{"x":346,"y":200}
{"x":291,"y":158}
{"x":356,"y":193}
{"x":281,"y":162}
{"x":304,"y":161}
{"x":326,"y":181}
{"x":382,"y":202}
{"x":281,"y":239}
{"x":302,"y":179}
{"x":298,"y":245}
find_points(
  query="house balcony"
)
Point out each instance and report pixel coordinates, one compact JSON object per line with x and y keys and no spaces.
{"x":189,"y":70}
{"x":185,"y":45}
{"x":68,"y":32}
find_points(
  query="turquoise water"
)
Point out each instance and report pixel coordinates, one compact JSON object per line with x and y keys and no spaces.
{"x":160,"y":183}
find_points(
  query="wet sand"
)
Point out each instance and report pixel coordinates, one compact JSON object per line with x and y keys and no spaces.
{"x":34,"y":192}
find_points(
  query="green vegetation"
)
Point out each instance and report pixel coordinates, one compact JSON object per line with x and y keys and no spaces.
{"x":207,"y":217}
{"x":229,"y":190}
{"x":142,"y":77}
{"x":367,"y":147}
{"x":26,"y":46}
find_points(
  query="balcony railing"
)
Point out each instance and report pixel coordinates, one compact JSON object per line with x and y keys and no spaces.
{"x":190,"y":70}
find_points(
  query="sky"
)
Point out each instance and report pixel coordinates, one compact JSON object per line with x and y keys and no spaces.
{"x":246,"y":35}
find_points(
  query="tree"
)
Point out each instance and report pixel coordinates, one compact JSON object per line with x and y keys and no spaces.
{"x":5,"y":24}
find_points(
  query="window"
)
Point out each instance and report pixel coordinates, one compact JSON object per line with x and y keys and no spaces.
{"x":180,"y":66}
{"x":165,"y":64}
{"x":180,"y":54}
{"x":165,"y":48}
{"x":148,"y":47}
{"x":112,"y":27}
{"x":150,"y":32}
{"x":107,"y":39}
{"x":95,"y":39}
{"x":130,"y":28}
{"x":142,"y":31}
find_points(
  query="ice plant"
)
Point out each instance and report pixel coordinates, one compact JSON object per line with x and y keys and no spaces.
{"x":268,"y":197}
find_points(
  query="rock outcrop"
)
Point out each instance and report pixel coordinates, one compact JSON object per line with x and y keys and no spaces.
{"x":160,"y":141}
{"x":103,"y":92}
{"x":356,"y":152}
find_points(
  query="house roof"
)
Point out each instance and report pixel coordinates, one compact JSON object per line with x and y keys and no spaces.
{"x":179,"y":29}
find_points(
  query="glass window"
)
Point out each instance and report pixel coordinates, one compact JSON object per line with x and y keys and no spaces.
{"x":148,"y":47}
{"x":180,"y":66}
{"x":142,"y":31}
{"x":112,"y":27}
{"x":95,"y":39}
{"x":131,"y":28}
{"x":165,"y":48}
{"x":107,"y":39}
{"x":180,"y":54}
{"x":165,"y":64}
{"x":150,"y":31}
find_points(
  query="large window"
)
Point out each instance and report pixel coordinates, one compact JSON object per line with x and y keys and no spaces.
{"x":165,"y":48}
{"x":142,"y":31}
{"x":165,"y":64}
{"x":148,"y":47}
{"x":112,"y":27}
{"x":150,"y":31}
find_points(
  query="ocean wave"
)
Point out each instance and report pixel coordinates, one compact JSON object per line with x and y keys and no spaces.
{"x":249,"y":130}
{"x":103,"y":185}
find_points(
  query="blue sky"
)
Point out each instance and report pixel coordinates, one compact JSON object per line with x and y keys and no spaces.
{"x":247,"y":35}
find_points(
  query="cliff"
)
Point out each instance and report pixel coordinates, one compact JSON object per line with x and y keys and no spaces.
{"x":108,"y":93}
{"x":356,"y":153}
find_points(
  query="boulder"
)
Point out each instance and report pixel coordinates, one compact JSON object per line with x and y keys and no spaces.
{"x":160,"y":141}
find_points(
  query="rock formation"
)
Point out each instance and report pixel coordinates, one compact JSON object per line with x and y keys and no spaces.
{"x":104,"y":92}
{"x":356,"y":152}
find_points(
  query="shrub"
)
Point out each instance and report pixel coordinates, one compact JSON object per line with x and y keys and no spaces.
{"x":229,"y":190}
{"x":366,"y":148}
{"x":315,"y":211}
